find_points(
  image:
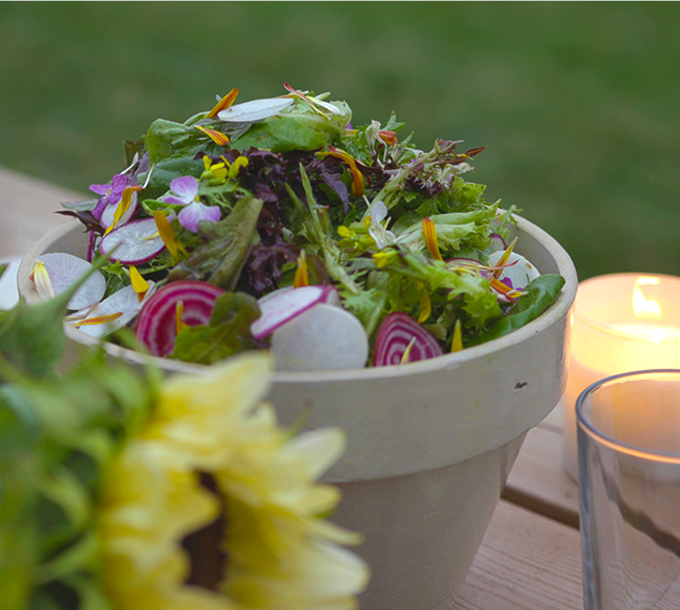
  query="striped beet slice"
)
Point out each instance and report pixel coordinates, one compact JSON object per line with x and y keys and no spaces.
{"x":399,"y":331}
{"x":157,"y":322}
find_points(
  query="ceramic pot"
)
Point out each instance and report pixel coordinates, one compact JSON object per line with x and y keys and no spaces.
{"x":430,"y":443}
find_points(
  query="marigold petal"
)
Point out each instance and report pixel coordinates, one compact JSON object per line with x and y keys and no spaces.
{"x":223,"y":104}
{"x":216,"y":136}
{"x":430,"y":235}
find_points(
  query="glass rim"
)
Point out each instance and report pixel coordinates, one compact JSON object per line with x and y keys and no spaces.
{"x":610,"y":440}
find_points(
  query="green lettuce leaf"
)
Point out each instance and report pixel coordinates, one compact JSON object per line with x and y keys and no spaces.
{"x":227,"y":333}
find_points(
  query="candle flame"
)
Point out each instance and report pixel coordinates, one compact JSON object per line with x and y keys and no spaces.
{"x":642,"y":306}
{"x":659,"y":335}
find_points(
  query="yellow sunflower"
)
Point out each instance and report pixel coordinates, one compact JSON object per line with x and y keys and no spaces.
{"x":213,"y":506}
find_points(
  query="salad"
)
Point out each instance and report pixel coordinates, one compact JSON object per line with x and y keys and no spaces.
{"x":277,"y":224}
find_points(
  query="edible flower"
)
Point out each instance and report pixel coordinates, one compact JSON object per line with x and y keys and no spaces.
{"x":167,"y":234}
{"x":139,"y":284}
{"x":110,"y":193}
{"x":223,"y":104}
{"x":123,"y":206}
{"x":235,"y":167}
{"x":314,"y":102}
{"x":41,"y":279}
{"x":425,"y":304}
{"x":358,"y":184}
{"x":502,"y":261}
{"x":214,"y":173}
{"x":377,"y":213}
{"x":301,"y":272}
{"x":457,"y":341}
{"x":216,"y":136}
{"x":430,"y":235}
{"x":184,"y":192}
{"x":388,"y":136}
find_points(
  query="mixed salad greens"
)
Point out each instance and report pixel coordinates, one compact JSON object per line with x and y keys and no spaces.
{"x":277,"y":224}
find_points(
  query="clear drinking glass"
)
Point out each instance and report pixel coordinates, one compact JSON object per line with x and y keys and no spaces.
{"x":629,"y":471}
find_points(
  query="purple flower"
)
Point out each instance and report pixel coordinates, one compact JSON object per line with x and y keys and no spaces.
{"x":111,"y":194}
{"x":184,"y":192}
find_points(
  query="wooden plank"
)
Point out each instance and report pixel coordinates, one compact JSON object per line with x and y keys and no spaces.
{"x":538,"y":481}
{"x":28,"y":207}
{"x":526,"y":562}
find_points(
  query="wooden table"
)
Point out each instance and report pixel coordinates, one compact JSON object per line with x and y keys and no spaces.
{"x":530,"y":558}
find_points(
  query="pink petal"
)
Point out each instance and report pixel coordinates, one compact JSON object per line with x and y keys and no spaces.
{"x":194,"y":213}
{"x":186,"y":189}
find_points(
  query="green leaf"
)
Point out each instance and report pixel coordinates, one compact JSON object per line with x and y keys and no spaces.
{"x":296,"y":128}
{"x":227,"y":333}
{"x":219,"y":257}
{"x":541,"y":293}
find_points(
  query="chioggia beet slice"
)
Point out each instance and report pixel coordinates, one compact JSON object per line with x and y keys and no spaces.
{"x":157,"y":323}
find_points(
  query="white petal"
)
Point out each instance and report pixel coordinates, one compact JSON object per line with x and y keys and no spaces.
{"x":256,"y":110}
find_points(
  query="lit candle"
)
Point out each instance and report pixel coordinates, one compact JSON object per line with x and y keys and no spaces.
{"x":622,"y":322}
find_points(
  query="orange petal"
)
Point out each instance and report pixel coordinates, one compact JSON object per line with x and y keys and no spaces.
{"x":387,"y":136}
{"x":430,"y":235}
{"x":502,"y":261}
{"x":99,"y":319}
{"x":223,"y":104}
{"x":216,"y":136}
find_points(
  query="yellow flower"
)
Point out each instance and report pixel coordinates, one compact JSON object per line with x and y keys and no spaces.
{"x":212,"y":459}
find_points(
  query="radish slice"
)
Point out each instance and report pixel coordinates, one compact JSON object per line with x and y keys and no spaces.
{"x":399,"y":331}
{"x":323,"y":338}
{"x":498,"y":243}
{"x":156,"y":326}
{"x":518,"y":270}
{"x":124,"y":302}
{"x":136,"y":242}
{"x":64,"y":270}
{"x":284,"y":304}
{"x":109,"y":213}
{"x":256,"y":110}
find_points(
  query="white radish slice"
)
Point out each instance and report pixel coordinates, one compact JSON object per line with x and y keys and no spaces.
{"x":519,"y":270}
{"x":124,"y":301}
{"x":64,"y":270}
{"x":109,"y":213}
{"x":323,"y":338}
{"x":284,"y":304}
{"x":136,"y":242}
{"x":256,"y":110}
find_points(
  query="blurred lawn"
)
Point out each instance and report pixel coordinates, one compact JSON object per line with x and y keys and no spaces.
{"x":577,"y":103}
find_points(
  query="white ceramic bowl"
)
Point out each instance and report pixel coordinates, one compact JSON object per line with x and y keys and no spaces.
{"x":430,"y":443}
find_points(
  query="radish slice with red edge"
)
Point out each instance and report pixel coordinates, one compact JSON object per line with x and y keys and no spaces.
{"x":65,"y":269}
{"x":399,"y":331}
{"x":518,"y":269}
{"x":109,"y":213}
{"x":135,"y":243}
{"x":156,"y":325}
{"x":284,"y":304}
{"x":498,"y":243}
{"x":323,"y":338}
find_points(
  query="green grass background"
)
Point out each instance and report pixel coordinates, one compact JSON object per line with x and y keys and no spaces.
{"x":579,"y":104}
